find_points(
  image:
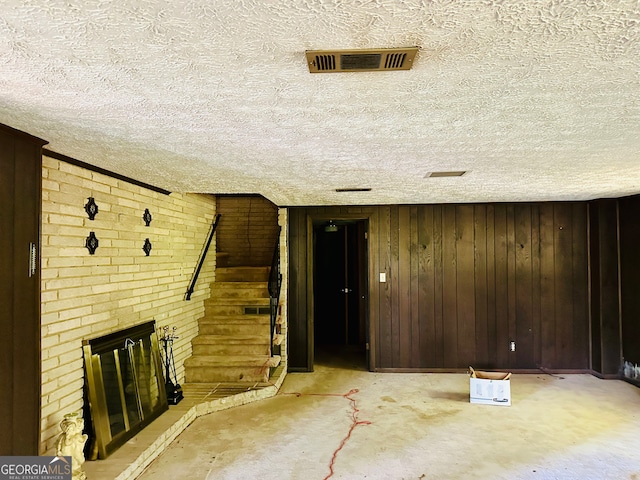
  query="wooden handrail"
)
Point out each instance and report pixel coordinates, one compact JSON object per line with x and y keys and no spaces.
{"x":214,"y":225}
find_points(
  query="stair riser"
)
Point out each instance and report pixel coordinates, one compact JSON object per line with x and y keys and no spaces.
{"x":239,"y":274}
{"x":226,"y":374}
{"x":214,"y":310}
{"x":235,"y":330}
{"x":240,"y":301}
{"x":250,"y":289}
{"x":235,"y":295}
{"x":208,"y":349}
{"x":234,"y":319}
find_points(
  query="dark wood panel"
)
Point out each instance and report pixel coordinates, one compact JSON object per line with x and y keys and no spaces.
{"x":20,"y":197}
{"x":26,"y":334}
{"x":563,"y":261}
{"x":297,"y":332}
{"x":608,"y":315}
{"x":511,"y":287}
{"x":594,"y":279}
{"x":465,"y":286}
{"x":630,"y":277}
{"x":501,"y":260}
{"x":438,"y":293}
{"x":580,"y":343}
{"x":481,"y":291}
{"x":426,"y":293}
{"x":547,"y":287}
{"x":7,"y":200}
{"x":414,"y":291}
{"x":449,"y":287}
{"x":536,"y":306}
{"x":385,"y":313}
{"x":396,"y":270}
{"x":492,"y":334}
{"x":523,"y":334}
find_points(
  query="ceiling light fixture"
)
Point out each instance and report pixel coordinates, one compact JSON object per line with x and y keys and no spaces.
{"x":331,"y":227}
{"x":365,"y":60}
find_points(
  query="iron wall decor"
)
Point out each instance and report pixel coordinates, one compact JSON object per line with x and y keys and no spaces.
{"x":91,"y":243}
{"x":91,"y":208}
{"x":147,"y":246}
{"x":147,"y":217}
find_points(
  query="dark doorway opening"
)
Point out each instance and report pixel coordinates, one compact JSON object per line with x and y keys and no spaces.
{"x":339,"y":291}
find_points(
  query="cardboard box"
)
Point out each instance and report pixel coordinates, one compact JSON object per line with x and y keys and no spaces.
{"x":490,"y":388}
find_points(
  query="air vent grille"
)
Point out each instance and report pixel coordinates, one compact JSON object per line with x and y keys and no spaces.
{"x":395,"y":61}
{"x":326,"y":62}
{"x":370,"y":60}
{"x":457,"y":173}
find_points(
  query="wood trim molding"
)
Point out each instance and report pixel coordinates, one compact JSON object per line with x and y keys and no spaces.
{"x":93,"y":168}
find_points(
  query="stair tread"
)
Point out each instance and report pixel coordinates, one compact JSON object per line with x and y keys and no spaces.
{"x":217,"y":319}
{"x":229,"y":361}
{"x":252,"y":302}
{"x":240,"y":284}
{"x":231,"y":338}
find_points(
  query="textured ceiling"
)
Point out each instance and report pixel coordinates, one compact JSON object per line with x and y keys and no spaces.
{"x":537,"y":100}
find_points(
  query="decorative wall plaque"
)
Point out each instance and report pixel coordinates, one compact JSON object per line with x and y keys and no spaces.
{"x":147,"y":217}
{"x":91,"y":243}
{"x":147,"y":246}
{"x":91,"y":208}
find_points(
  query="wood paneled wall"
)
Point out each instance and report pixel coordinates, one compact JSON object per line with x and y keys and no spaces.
{"x":248,"y":230}
{"x":605,"y":287}
{"x":629,"y":208}
{"x":462,"y":282}
{"x":20,"y":195}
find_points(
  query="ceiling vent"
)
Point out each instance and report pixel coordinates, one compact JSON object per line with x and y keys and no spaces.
{"x":368,"y":60}
{"x":445,"y":174}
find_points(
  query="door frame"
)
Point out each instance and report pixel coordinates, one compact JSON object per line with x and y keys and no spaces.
{"x":370,"y":326}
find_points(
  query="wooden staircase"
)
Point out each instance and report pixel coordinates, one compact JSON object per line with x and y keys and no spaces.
{"x":233,"y":341}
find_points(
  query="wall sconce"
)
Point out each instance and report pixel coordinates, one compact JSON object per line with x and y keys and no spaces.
{"x":91,"y":208}
{"x":91,"y":243}
{"x":146,"y":248}
{"x":147,"y":217}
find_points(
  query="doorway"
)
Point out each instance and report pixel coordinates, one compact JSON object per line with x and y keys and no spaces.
{"x":340,"y":290}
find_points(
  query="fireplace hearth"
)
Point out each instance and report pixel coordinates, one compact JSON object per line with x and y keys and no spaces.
{"x":125,"y":385}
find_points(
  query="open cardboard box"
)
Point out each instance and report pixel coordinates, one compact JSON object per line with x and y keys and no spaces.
{"x":490,"y":388}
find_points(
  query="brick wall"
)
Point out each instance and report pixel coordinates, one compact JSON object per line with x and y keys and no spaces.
{"x":247,"y":231}
{"x":86,"y":296}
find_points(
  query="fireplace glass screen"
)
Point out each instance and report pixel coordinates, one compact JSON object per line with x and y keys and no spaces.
{"x":125,"y":384}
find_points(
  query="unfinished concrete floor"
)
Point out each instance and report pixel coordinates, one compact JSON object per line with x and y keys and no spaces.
{"x":414,"y":426}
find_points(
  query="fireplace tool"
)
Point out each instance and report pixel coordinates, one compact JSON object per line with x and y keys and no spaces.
{"x":174,"y":390}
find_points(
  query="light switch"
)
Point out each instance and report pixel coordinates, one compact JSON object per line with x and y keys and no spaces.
{"x":383,"y":277}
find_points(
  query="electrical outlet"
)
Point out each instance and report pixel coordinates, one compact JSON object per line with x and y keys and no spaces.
{"x":512,"y":346}
{"x":383,"y":277}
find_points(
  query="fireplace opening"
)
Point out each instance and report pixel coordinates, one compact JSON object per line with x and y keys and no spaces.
{"x":124,"y":385}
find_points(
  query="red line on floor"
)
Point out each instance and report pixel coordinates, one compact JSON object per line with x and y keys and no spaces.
{"x":354,"y":419}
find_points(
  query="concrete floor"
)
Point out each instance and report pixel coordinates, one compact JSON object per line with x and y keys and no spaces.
{"x":414,"y":426}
